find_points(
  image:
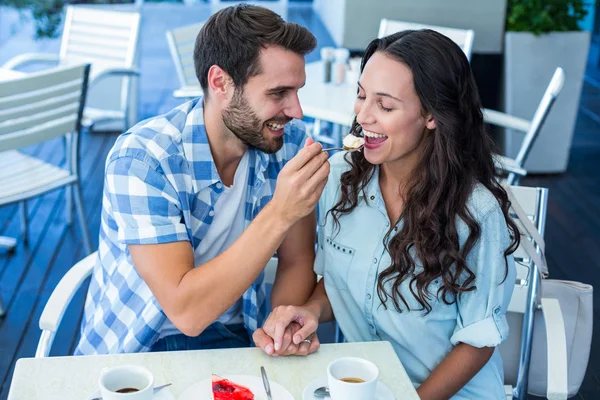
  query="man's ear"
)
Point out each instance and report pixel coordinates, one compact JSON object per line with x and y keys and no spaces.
{"x":219,"y":82}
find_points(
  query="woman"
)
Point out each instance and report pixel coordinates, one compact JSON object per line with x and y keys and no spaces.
{"x":415,"y":238}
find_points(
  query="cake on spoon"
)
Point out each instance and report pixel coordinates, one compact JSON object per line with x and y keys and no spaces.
{"x":352,"y":142}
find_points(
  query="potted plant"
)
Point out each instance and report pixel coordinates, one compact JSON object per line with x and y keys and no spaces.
{"x":540,"y":36}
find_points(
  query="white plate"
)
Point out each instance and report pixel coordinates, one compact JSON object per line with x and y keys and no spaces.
{"x":383,"y":392}
{"x":163,"y":394}
{"x":203,"y":389}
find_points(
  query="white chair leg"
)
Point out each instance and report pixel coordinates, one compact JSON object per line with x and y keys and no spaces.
{"x":81,"y":216}
{"x":69,"y":204}
{"x":23,"y":208}
{"x":46,"y":339}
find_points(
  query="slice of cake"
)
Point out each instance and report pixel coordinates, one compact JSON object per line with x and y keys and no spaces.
{"x":224,"y":389}
{"x":352,"y":142}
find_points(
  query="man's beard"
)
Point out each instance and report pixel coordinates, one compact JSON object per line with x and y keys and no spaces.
{"x":241,"y":119}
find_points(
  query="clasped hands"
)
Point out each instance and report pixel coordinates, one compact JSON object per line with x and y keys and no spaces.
{"x":289,"y":330}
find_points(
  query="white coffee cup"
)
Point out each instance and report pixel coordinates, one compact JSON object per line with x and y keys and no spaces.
{"x":352,"y":367}
{"x":113,"y":380}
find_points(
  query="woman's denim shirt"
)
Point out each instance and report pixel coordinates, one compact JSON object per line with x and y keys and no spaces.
{"x":351,"y":258}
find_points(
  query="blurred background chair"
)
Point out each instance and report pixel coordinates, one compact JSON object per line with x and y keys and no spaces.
{"x":108,"y":41}
{"x":35,"y":108}
{"x":514,"y":168}
{"x":526,"y":300}
{"x":462,"y":37}
{"x":181,"y":45}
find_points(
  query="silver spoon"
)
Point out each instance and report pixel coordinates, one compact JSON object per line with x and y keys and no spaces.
{"x":348,"y":149}
{"x":321,"y":392}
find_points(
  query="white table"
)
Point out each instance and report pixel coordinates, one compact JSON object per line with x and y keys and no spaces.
{"x":76,"y":377}
{"x":327,"y":101}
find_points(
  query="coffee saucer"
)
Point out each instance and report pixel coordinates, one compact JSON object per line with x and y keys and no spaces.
{"x":163,"y":394}
{"x":383,"y":392}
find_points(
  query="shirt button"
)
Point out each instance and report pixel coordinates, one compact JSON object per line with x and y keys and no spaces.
{"x":211,"y":213}
{"x":372,"y":327}
{"x":368,"y":296}
{"x":372,"y":197}
{"x":219,"y":186}
{"x":387,"y":223}
{"x":375,"y":260}
{"x":497,"y":310}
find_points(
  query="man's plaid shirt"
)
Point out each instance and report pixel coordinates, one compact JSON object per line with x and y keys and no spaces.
{"x":161,"y":186}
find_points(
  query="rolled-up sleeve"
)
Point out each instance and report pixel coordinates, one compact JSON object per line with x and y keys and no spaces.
{"x":145,"y":205}
{"x":481,"y":320}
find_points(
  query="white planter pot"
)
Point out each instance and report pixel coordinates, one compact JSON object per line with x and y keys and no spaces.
{"x":529,"y":63}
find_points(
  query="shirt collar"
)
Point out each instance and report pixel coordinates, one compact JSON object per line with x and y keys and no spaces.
{"x":197,"y":149}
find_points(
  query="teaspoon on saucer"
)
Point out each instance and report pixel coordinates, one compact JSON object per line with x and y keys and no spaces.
{"x":321,"y":392}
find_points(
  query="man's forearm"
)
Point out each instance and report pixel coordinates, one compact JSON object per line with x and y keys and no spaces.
{"x":206,"y":292}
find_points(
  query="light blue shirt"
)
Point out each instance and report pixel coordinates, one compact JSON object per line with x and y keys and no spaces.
{"x":351,"y":258}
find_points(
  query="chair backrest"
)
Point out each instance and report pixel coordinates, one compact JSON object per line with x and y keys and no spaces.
{"x":181,"y":44}
{"x":108,"y":40}
{"x":516,"y":351}
{"x":533,"y":127}
{"x":462,"y":37}
{"x":104,"y":38}
{"x":42,"y":106}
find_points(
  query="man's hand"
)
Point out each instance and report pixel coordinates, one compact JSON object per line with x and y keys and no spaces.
{"x":301,"y":182}
{"x":288,"y":347}
{"x":281,"y":317}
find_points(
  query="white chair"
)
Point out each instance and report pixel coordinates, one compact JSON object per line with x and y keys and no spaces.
{"x":527,"y":295}
{"x":108,"y":40}
{"x":181,"y":45}
{"x":69,"y":284}
{"x":278,"y":6}
{"x":462,"y":37}
{"x":514,"y":168}
{"x":35,"y":108}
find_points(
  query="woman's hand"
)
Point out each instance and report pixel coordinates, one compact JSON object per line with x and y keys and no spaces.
{"x":286,"y":329}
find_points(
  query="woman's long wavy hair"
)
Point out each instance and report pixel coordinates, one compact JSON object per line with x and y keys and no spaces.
{"x":457,"y":155}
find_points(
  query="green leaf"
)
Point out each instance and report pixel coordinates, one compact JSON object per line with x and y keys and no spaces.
{"x":543,"y":16}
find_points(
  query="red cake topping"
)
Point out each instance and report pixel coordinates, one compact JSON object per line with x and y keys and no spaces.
{"x":224,"y":389}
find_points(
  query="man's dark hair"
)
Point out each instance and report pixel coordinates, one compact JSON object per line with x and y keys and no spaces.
{"x":232,"y":39}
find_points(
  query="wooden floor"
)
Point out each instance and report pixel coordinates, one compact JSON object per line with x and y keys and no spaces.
{"x":28,"y":276}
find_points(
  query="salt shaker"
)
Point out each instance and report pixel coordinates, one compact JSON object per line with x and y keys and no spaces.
{"x":338,"y":74}
{"x":327,"y":60}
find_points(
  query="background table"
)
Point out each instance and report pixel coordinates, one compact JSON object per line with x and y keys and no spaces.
{"x":76,"y":377}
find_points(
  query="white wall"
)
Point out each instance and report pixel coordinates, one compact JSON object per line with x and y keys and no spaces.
{"x":361,"y":19}
{"x":332,"y":13}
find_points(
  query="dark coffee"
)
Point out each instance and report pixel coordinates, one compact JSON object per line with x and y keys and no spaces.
{"x":352,"y":380}
{"x":128,"y":390}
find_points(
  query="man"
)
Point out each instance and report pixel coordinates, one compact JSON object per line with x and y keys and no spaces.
{"x":198,"y":200}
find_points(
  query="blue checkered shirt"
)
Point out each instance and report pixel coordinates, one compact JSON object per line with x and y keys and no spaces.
{"x":161,"y":185}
